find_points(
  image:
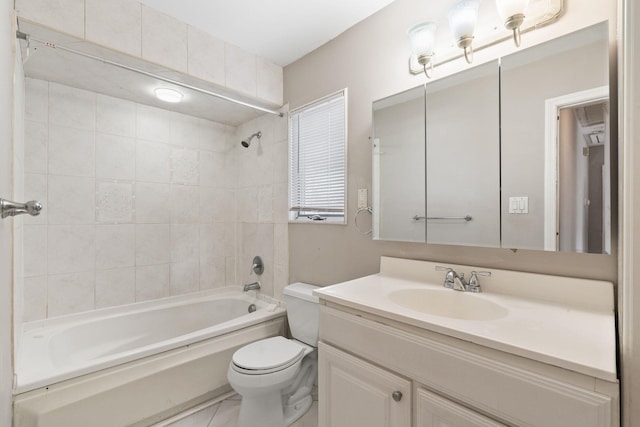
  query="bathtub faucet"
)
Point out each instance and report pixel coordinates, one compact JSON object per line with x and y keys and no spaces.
{"x":252,"y":286}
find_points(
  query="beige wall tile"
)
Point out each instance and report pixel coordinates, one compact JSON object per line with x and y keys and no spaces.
{"x":152,"y":205}
{"x":71,"y":293}
{"x":71,"y":200}
{"x":153,"y":244}
{"x":116,"y":24}
{"x":115,"y":116}
{"x":36,"y":147}
{"x":35,"y":250}
{"x":152,"y":282}
{"x":71,"y":107}
{"x":71,"y":151}
{"x":71,"y":248}
{"x":185,"y":277}
{"x":240,"y":70}
{"x":115,"y":246}
{"x":115,"y":287}
{"x":35,"y":298}
{"x":164,"y":39}
{"x":66,"y":16}
{"x":269,"y":84}
{"x":36,"y":100}
{"x":115,"y":157}
{"x":206,"y":56}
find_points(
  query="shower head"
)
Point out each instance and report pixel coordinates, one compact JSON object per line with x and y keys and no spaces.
{"x":246,"y":142}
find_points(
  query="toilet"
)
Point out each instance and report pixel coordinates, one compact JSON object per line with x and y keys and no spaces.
{"x":275,"y":376}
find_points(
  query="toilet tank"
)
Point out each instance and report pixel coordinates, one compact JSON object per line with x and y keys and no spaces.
{"x":303,"y":312}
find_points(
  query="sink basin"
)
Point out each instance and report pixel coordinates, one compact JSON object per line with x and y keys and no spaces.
{"x":448,"y":303}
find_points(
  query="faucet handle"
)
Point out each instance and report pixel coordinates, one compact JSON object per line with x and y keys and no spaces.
{"x":474,"y":282}
{"x":450,"y":278}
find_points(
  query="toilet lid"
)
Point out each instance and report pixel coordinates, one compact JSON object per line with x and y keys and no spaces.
{"x":268,"y":354}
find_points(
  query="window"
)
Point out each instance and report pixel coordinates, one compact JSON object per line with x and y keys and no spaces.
{"x":317,"y":151}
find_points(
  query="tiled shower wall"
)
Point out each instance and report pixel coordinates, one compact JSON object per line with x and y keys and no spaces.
{"x":139,"y":202}
{"x":262,"y":206}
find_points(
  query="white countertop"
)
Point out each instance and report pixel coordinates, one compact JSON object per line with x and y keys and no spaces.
{"x":578,"y":335}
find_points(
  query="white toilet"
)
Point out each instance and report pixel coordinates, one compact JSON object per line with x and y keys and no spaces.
{"x":275,"y":375}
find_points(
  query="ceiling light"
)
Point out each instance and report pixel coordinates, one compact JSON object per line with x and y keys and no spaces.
{"x":422,"y":38}
{"x":512,"y":14}
{"x":463,"y":16}
{"x":168,"y":95}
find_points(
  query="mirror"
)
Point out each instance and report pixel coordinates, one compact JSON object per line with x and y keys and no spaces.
{"x":520,"y":147}
{"x":463,"y":158}
{"x":398,"y":166}
{"x":556,"y":185}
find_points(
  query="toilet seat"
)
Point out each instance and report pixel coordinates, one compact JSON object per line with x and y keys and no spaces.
{"x":267,"y":356}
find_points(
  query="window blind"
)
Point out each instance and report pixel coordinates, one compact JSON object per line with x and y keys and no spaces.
{"x":317,"y":159}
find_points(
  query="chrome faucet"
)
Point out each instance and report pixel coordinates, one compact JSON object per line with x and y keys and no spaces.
{"x":252,"y":286}
{"x":455,"y":281}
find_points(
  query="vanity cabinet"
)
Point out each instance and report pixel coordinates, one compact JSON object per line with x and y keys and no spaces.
{"x":357,"y":393}
{"x":433,"y":410}
{"x":445,"y":382}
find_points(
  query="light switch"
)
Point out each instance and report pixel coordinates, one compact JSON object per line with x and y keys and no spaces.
{"x":519,"y":205}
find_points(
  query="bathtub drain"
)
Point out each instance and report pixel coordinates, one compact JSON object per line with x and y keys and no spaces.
{"x":252,"y":308}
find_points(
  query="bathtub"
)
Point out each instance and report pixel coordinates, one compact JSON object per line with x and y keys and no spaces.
{"x":141,"y":363}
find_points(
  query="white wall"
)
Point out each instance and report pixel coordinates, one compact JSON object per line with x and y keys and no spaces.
{"x":7,"y":58}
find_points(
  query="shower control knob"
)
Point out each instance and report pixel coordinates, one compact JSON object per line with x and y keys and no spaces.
{"x":397,"y":396}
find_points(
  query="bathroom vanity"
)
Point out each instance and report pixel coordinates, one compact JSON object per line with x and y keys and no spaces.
{"x":398,"y":349}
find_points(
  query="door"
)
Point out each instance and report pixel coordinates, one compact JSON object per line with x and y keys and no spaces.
{"x":433,"y":410}
{"x":355,"y":393}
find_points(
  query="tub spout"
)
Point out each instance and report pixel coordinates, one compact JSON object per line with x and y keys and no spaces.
{"x":252,"y":286}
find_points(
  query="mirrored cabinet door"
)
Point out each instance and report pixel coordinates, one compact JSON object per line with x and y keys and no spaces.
{"x":556,"y":175}
{"x":398,"y":166}
{"x":463,"y":158}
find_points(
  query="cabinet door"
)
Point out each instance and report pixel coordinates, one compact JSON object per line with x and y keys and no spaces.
{"x":436,"y":411}
{"x":354,"y":393}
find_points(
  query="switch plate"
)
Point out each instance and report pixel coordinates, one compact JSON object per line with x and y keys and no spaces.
{"x":519,"y":205}
{"x":362,"y":198}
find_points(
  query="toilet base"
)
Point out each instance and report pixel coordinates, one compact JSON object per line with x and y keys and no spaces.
{"x":281,"y":409}
{"x":294,"y":412}
{"x":264,"y":411}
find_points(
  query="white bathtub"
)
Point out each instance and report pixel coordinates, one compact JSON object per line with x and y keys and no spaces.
{"x":117,"y":348}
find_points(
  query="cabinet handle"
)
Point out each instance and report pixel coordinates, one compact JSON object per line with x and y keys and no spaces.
{"x":397,"y":396}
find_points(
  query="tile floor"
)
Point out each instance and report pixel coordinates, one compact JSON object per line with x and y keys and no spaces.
{"x":225,"y":414}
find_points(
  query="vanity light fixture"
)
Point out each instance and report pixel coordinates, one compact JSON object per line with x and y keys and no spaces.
{"x":168,"y":95}
{"x":463,"y":16}
{"x":512,"y":14}
{"x":422,"y":38}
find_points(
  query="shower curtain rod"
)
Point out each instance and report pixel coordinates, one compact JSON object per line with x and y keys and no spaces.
{"x":28,"y":38}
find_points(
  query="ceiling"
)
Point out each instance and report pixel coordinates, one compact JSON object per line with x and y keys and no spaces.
{"x":279,"y":30}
